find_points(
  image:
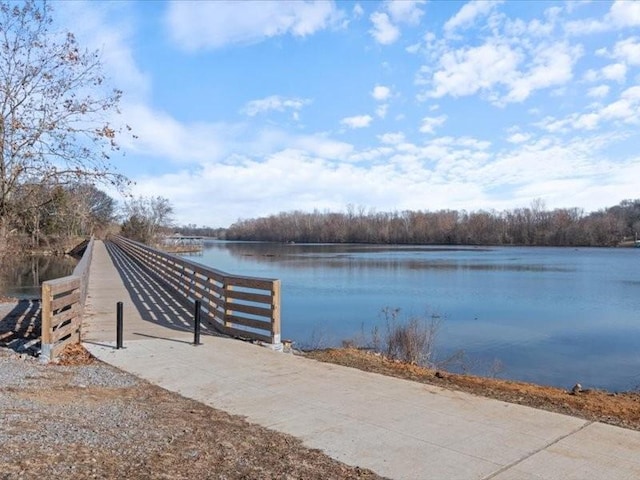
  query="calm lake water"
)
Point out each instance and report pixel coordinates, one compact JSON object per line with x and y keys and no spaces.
{"x":21,"y":277}
{"x":553,"y":316}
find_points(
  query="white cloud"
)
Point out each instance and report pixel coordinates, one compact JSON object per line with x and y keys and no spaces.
{"x":319,"y":145}
{"x":625,"y":13}
{"x":599,"y":92}
{"x":468,"y":14}
{"x":628,"y":51}
{"x":381,"y":93}
{"x":504,"y":72}
{"x":386,"y":22}
{"x":358,"y":121}
{"x":430,"y":123}
{"x":274,"y":103}
{"x":551,"y":66}
{"x":198,"y":25}
{"x":518,"y":137}
{"x":383,"y":30}
{"x":405,"y":11}
{"x":625,"y":110}
{"x":622,"y":14}
{"x":392,"y":138}
{"x":616,"y":72}
{"x":160,"y":134}
{"x":587,"y":121}
{"x":357,"y":11}
{"x":470,"y":69}
{"x":381,"y":110}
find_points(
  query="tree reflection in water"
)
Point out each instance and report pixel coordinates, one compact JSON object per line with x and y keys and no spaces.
{"x":21,"y":276}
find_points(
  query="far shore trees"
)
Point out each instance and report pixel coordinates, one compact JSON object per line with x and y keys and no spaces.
{"x":56,"y":116}
{"x":534,"y":226}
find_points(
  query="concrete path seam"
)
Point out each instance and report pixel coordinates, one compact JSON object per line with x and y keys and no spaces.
{"x":535,"y":452}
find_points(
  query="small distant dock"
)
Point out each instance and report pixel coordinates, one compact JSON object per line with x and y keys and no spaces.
{"x":177,"y":243}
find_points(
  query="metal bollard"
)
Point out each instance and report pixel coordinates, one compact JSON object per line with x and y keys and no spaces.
{"x":119,"y":325}
{"x":196,"y":323}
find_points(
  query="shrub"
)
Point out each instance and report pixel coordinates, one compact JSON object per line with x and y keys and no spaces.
{"x":411,"y":340}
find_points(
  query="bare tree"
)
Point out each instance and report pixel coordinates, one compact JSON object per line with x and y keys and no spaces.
{"x":55,"y":111}
{"x":146,"y":218}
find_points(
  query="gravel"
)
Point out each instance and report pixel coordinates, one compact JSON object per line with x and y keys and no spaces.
{"x":91,"y":420}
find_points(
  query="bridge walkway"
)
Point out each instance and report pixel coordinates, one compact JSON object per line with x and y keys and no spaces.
{"x":150,"y":309}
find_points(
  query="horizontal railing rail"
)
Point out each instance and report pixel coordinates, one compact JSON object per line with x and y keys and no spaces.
{"x":63,"y":301}
{"x":236,"y":305}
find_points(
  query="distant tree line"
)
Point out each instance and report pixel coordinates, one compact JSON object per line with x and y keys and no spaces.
{"x":534,"y":225}
{"x":193,"y":230}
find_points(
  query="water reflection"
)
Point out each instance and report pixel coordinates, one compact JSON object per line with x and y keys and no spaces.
{"x":375,"y":257}
{"x":22,"y":276}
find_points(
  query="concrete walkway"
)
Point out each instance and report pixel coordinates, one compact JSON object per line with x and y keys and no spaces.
{"x":399,"y":429}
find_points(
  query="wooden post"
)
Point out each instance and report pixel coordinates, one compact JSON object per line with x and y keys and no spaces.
{"x":46,"y":340}
{"x":46,"y":313}
{"x":275,"y":314}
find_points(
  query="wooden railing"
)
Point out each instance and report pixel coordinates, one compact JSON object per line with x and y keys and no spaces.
{"x":63,"y":302}
{"x":240,"y":306}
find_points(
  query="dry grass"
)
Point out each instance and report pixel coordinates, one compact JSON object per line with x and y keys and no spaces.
{"x":75,"y":354}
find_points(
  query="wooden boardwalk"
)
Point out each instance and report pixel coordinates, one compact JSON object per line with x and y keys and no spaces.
{"x":150,"y":309}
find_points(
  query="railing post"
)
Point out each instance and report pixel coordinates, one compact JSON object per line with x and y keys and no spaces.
{"x":196,"y":323}
{"x":47,"y":331}
{"x":275,"y":316}
{"x":119,"y":325}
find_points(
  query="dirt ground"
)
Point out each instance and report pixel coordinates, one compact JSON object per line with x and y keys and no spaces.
{"x":622,"y":409}
{"x":52,"y":428}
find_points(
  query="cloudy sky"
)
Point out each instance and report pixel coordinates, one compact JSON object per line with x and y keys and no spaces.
{"x":244,"y":109}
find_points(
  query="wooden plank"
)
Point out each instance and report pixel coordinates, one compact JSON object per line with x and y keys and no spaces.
{"x":217,"y":289}
{"x":250,"y":309}
{"x":214,"y":315}
{"x":249,"y":322}
{"x":250,"y":297}
{"x":208,"y":296}
{"x":250,"y":282}
{"x":63,"y":284}
{"x":47,"y":328}
{"x":62,"y":317}
{"x":250,"y":335}
{"x":70,"y":299}
{"x":60,"y":346}
{"x":212,"y":273}
{"x":237,"y":332}
{"x":65,"y":330}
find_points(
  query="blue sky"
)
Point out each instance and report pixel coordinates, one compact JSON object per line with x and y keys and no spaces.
{"x":245,"y":109}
